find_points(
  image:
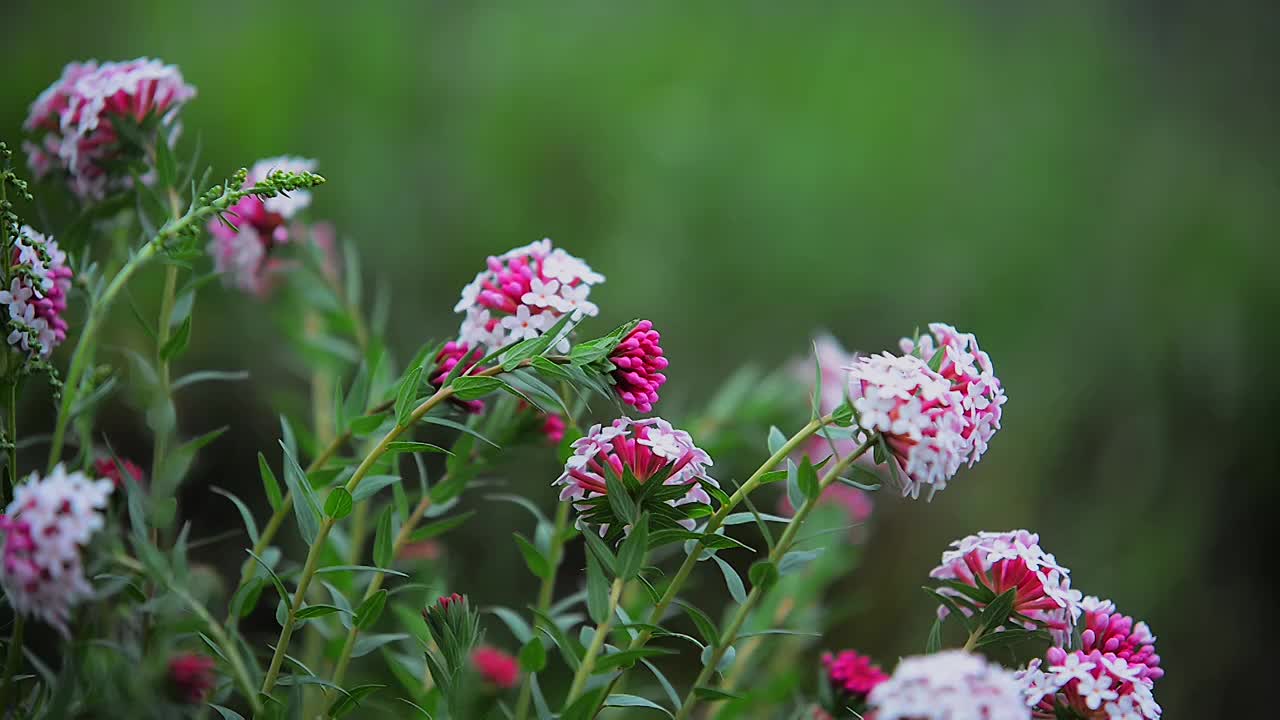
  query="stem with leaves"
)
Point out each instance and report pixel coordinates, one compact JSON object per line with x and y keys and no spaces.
{"x":545,"y":596}
{"x":597,"y":644}
{"x":758,"y":590}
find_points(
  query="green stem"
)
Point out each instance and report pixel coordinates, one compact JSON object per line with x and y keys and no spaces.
{"x":779,"y":551}
{"x":545,"y":595}
{"x":974,"y":637}
{"x":162,"y":366}
{"x":11,"y":435}
{"x":713,"y":524}
{"x":597,"y":644}
{"x":84,"y":348}
{"x":317,"y":545}
{"x":12,"y":659}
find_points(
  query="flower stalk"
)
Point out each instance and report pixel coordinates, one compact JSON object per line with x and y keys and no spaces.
{"x":597,"y":644}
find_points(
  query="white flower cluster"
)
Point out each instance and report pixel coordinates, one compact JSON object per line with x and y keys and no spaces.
{"x":45,"y":527}
{"x":918,"y":413}
{"x":952,"y":685}
{"x":523,"y":293}
{"x":971,"y":374}
{"x":37,"y":293}
{"x":1093,"y":685}
{"x":1005,"y":560}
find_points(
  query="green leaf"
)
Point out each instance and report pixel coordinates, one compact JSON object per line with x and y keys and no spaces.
{"x":934,"y":643}
{"x":453,"y":424}
{"x":597,"y":590}
{"x":366,"y":424}
{"x":998,"y":611}
{"x":226,"y":713}
{"x":951,"y":606}
{"x":269,"y":483}
{"x":807,"y":478}
{"x":305,"y":505}
{"x":620,"y":501}
{"x":177,"y":342}
{"x":634,"y":549}
{"x":372,"y":641}
{"x":338,"y":504}
{"x":602,"y":552}
{"x":1005,"y":637}
{"x":797,"y":559}
{"x":245,"y":515}
{"x":314,"y":611}
{"x":776,"y":439}
{"x":383,"y":550}
{"x":706,"y":626}
{"x":473,"y":388}
{"x":627,"y":658}
{"x":869,"y":481}
{"x":440,"y":527}
{"x":538,"y":564}
{"x":371,"y":484}
{"x":731,"y":580}
{"x":352,"y":700}
{"x":763,"y":574}
{"x":371,"y":609}
{"x":706,"y":693}
{"x":533,"y":656}
{"x":405,"y":446}
{"x":166,"y":165}
{"x":407,"y":395}
{"x":623,"y":700}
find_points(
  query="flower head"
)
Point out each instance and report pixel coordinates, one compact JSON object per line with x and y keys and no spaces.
{"x":450,"y":356}
{"x":852,"y":676}
{"x":971,"y":374}
{"x":948,"y":686}
{"x":917,"y":413}
{"x":45,"y":527}
{"x":522,"y":294}
{"x":646,"y":450}
{"x":242,"y":246}
{"x":1107,"y":631}
{"x":1092,"y":685}
{"x":105,"y":467}
{"x":638,"y":365}
{"x":497,"y":668}
{"x":1001,"y":561}
{"x":553,"y":427}
{"x":74,"y":123}
{"x":37,"y":294}
{"x":192,"y":678}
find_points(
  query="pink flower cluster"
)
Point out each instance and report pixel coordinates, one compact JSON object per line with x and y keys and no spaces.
{"x":648,"y":449}
{"x":917,"y":413}
{"x":109,"y":469}
{"x":497,"y":668}
{"x":73,"y":120}
{"x":45,"y":526}
{"x":522,"y":294}
{"x":639,"y":363}
{"x":1093,"y":685}
{"x":1108,"y":631}
{"x":192,"y":678}
{"x":1000,"y":561}
{"x":37,"y":294}
{"x":852,"y":675}
{"x":971,"y":374}
{"x":450,"y":356}
{"x":242,"y":247}
{"x":948,"y":686}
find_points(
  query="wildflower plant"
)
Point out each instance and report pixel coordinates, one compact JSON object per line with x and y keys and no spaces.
{"x":373,"y":476}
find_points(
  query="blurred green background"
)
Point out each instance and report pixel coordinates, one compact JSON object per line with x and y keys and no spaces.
{"x":1091,"y":189}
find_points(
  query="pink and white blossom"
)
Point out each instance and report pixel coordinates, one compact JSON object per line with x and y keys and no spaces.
{"x":45,"y":528}
{"x":852,"y":675}
{"x":971,"y":374}
{"x":649,"y":449}
{"x":1106,"y":630}
{"x":918,"y":414}
{"x":36,"y":299}
{"x":952,"y":685}
{"x":73,"y":128}
{"x":1001,"y":561}
{"x":522,"y":294}
{"x":1092,"y":685}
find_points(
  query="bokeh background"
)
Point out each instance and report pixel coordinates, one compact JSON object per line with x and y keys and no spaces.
{"x":1091,"y":188}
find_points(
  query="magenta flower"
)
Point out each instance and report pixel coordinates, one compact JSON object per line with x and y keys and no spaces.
{"x":497,"y":668}
{"x":649,"y":450}
{"x":553,"y":427}
{"x":1107,"y":631}
{"x":192,"y":678}
{"x":447,"y":359}
{"x":917,"y":413}
{"x":852,"y":676}
{"x":1092,"y":685}
{"x":73,"y":121}
{"x":107,"y":468}
{"x":971,"y":374}
{"x":1012,"y":560}
{"x":45,"y":528}
{"x":522,"y":294}
{"x":638,"y":365}
{"x":37,"y":295}
{"x":947,"y":686}
{"x":243,"y":247}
